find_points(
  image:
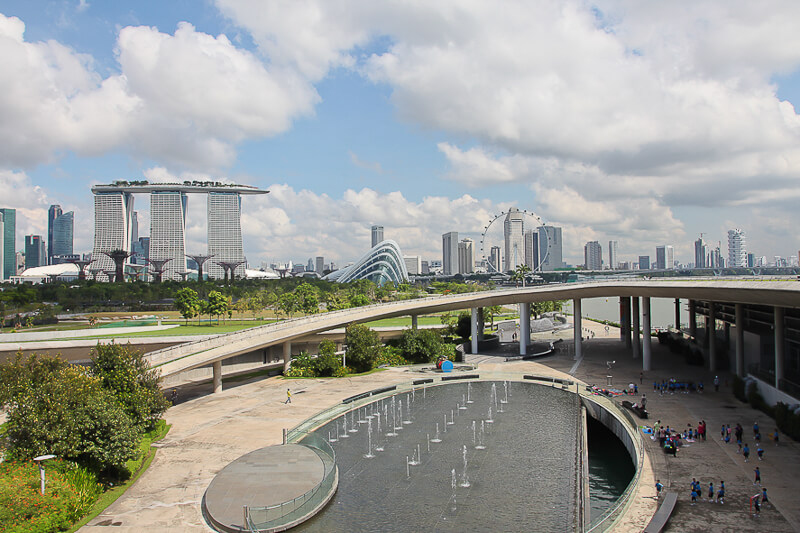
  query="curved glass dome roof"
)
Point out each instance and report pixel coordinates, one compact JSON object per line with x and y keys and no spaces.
{"x":383,"y":263}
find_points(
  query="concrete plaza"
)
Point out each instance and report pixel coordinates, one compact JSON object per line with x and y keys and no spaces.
{"x":210,"y":431}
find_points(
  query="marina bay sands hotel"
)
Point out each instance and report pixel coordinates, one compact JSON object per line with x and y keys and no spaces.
{"x":113,"y":223}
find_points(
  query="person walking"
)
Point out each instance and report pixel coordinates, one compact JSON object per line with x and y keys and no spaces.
{"x":716,"y":383}
{"x":758,"y":476}
{"x":775,"y":436}
{"x":746,"y":452}
{"x":760,"y":452}
{"x":721,"y":493}
{"x":288,"y":397}
{"x":659,"y":486}
{"x":711,"y":492}
{"x":756,"y":505}
{"x":764,"y":498}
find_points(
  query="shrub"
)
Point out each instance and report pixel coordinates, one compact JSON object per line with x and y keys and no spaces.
{"x":391,"y":356}
{"x":363,"y":347}
{"x":327,"y":362}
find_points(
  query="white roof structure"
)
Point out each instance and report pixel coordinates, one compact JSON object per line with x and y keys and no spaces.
{"x":260,"y":274}
{"x":383,"y":263}
{"x":65,"y":271}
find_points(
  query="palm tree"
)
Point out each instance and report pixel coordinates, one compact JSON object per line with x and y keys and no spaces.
{"x":520,"y":273}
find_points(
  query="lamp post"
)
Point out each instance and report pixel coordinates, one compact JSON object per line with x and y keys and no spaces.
{"x":40,"y":461}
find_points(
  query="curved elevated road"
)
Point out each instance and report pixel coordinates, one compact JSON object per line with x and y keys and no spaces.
{"x":191,"y":355}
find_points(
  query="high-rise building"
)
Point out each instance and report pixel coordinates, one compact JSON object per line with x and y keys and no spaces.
{"x":450,"y":253}
{"x":466,"y":256}
{"x":751,"y":260}
{"x":531,"y":242}
{"x":319,"y":267}
{"x":664,"y":257}
{"x":377,"y":235}
{"x":134,"y":229}
{"x":612,"y":255}
{"x":593,"y":255}
{"x":2,"y":247}
{"x":168,"y":231}
{"x":112,"y":225}
{"x":494,"y":259}
{"x":644,"y":262}
{"x":35,"y":251}
{"x":9,"y":242}
{"x":61,"y":235}
{"x":413,"y":264}
{"x":513,"y":229}
{"x":425,"y":268}
{"x":550,"y":248}
{"x":52,"y":214}
{"x":737,"y":248}
{"x":700,"y":253}
{"x":225,"y":233}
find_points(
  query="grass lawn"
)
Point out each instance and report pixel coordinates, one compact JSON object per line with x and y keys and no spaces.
{"x":400,"y":321}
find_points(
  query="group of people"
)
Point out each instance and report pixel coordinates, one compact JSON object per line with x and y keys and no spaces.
{"x":670,"y":439}
{"x":696,"y":492}
{"x":744,"y":448}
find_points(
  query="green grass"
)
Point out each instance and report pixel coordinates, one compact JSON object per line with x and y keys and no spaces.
{"x":137,"y":467}
{"x":405,"y":321}
{"x":180,"y":331}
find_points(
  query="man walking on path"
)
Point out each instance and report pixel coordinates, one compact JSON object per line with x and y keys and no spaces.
{"x":288,"y":397}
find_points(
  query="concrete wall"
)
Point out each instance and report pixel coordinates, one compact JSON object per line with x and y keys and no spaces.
{"x":771,"y":394}
{"x":618,"y":427}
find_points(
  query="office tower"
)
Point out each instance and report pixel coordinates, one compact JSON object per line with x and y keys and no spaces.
{"x":224,"y":233}
{"x":168,"y":231}
{"x":644,"y":262}
{"x":35,"y":251}
{"x":612,"y":254}
{"x":466,"y":256}
{"x":751,"y":260}
{"x":61,"y":236}
{"x":319,"y":268}
{"x":700,"y":253}
{"x":142,"y":250}
{"x":513,"y":228}
{"x":112,"y":226}
{"x":377,"y":235}
{"x":593,"y":256}
{"x":52,"y":214}
{"x":413,"y":264}
{"x":9,"y":242}
{"x":531,"y":242}
{"x":134,"y":230}
{"x":450,"y":253}
{"x":737,"y":248}
{"x":425,"y":267}
{"x":494,"y":259}
{"x":664,"y":257}
{"x":550,"y":247}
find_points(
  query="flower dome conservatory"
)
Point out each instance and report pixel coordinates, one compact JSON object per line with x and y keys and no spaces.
{"x":383,"y":263}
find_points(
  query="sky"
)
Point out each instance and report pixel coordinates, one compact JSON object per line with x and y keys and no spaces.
{"x":648,"y":123}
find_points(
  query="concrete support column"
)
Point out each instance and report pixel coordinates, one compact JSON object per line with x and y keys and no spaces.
{"x":646,"y":348}
{"x":524,"y":327}
{"x":779,"y":346}
{"x":740,"y":340}
{"x":473,"y":330}
{"x":578,"y":327}
{"x":692,"y":318}
{"x":637,"y":343}
{"x":625,"y":320}
{"x":712,"y":336}
{"x":678,"y":314}
{"x":414,"y":322}
{"x":287,"y":355}
{"x":217,"y":369}
{"x":481,"y":323}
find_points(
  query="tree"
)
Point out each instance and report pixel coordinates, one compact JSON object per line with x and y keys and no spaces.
{"x":287,"y":303}
{"x":520,"y":273}
{"x":335,"y":301}
{"x":327,"y":362}
{"x":124,"y":371}
{"x":187,"y":303}
{"x":54,"y":407}
{"x":359,"y":300}
{"x":217,"y":304}
{"x":363,"y":347}
{"x":307,"y":299}
{"x":420,"y":345}
{"x":491,"y":312}
{"x":464,"y":325}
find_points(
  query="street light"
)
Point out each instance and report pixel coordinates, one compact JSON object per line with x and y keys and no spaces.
{"x":40,"y":461}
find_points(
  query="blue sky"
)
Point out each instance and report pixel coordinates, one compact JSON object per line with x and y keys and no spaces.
{"x":638,"y":123}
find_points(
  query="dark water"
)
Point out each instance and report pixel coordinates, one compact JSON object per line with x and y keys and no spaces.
{"x":610,"y":468}
{"x":522,"y":481}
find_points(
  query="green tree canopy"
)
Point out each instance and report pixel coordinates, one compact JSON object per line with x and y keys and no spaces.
{"x":307,"y":299}
{"x":363,"y":347}
{"x":217,"y":304}
{"x":187,"y":303}
{"x":421,"y":345}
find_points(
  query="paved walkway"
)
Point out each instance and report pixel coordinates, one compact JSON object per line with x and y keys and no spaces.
{"x":209,"y":432}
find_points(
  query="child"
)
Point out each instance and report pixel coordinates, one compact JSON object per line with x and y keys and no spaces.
{"x":746,"y":452}
{"x":760,"y":452}
{"x":775,"y":436}
{"x":758,"y":477}
{"x":711,"y":492}
{"x":694,"y":495}
{"x":756,"y":506}
{"x":659,"y":486}
{"x":764,"y":498}
{"x":721,"y":493}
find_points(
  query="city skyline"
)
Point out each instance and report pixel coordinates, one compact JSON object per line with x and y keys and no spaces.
{"x":379,"y":122}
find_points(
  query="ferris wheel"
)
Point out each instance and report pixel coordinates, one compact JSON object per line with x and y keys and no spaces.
{"x":493,"y":236}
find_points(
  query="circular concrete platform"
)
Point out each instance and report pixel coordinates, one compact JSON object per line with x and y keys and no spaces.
{"x":265,"y":477}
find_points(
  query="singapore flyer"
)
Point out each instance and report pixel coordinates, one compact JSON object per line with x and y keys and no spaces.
{"x":515,"y":237}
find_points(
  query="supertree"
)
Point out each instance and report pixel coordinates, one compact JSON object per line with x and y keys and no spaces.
{"x":229,"y":266}
{"x":157,"y":268}
{"x":81,"y":264}
{"x":119,"y":257}
{"x":200,"y":259}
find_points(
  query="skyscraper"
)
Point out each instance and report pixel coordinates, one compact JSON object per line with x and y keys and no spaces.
{"x":9,"y":242}
{"x":413,"y":264}
{"x":35,"y":251}
{"x":377,"y":235}
{"x":112,"y":226}
{"x":531,"y":240}
{"x":644,"y":262}
{"x":466,"y":256}
{"x":52,"y":214}
{"x":550,"y":247}
{"x":593,"y":255}
{"x":664,"y":257}
{"x":2,"y":238}
{"x":168,"y":231}
{"x":320,"y":265}
{"x":612,"y":255}
{"x":224,"y":233}
{"x":700,"y":253}
{"x":494,"y":259}
{"x":737,"y":248}
{"x":134,"y":230}
{"x":450,"y":253}
{"x":61,"y":235}
{"x":513,"y":228}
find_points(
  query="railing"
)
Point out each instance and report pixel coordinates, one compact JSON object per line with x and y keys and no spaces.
{"x":265,"y":518}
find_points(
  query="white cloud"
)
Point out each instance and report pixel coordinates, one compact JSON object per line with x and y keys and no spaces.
{"x":184,"y":99}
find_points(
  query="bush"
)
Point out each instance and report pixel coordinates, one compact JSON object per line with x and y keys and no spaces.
{"x":391,"y":356}
{"x":420,"y":345}
{"x":758,"y":402}
{"x":327,"y":362}
{"x":363,"y":347}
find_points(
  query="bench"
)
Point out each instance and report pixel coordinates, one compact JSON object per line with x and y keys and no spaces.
{"x":661,"y":517}
{"x":640,"y":411}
